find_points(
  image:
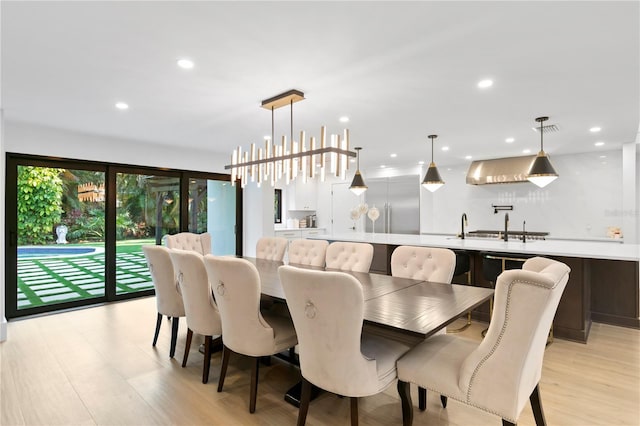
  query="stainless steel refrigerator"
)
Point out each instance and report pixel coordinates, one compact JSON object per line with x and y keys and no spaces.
{"x":398,"y":200}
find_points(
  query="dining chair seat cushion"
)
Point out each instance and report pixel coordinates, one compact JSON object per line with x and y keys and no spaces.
{"x":386,"y":352}
{"x":445,"y":351}
{"x":200,"y":243}
{"x":284,"y":333}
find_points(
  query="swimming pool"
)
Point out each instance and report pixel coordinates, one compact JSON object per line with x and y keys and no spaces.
{"x":55,"y":251}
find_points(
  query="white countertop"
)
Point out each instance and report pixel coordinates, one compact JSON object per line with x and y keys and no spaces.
{"x":582,"y":249}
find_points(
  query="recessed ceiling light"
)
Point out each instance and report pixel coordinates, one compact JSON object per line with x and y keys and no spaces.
{"x":421,"y":162}
{"x":599,"y":143}
{"x":185,"y":64}
{"x":509,"y":140}
{"x":122,"y":105}
{"x":595,"y":129}
{"x":344,"y":119}
{"x":267,"y":137}
{"x":483,"y":84}
{"x":468,"y":157}
{"x":526,"y":151}
{"x":382,"y":166}
{"x":394,"y":155}
{"x":445,"y":148}
{"x":603,"y":156}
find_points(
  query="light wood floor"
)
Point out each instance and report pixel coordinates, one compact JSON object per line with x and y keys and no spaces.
{"x":97,"y":366}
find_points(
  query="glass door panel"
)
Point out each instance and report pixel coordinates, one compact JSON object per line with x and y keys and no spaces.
{"x":60,"y":236}
{"x":147,"y":208}
{"x":212,"y":208}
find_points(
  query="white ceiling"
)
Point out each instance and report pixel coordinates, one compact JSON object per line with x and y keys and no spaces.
{"x":399,"y":70}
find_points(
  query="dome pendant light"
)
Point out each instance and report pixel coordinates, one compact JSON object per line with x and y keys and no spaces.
{"x":542,"y":172}
{"x":432,"y":180}
{"x":357,"y":185}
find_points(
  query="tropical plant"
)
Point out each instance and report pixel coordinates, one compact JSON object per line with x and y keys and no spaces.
{"x":39,"y":204}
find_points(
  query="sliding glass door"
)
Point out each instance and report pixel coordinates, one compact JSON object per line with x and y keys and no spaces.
{"x":75,"y":229}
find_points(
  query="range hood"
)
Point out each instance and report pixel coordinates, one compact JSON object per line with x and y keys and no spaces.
{"x":499,"y":170}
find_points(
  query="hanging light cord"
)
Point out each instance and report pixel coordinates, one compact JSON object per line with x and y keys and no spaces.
{"x":272,"y":126}
{"x":291,"y":120}
{"x":541,"y":139}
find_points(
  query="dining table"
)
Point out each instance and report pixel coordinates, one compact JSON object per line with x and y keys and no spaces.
{"x":403,"y":309}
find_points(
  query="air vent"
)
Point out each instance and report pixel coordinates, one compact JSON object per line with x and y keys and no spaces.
{"x":546,"y":129}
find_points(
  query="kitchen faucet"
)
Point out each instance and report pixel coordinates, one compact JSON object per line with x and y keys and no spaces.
{"x":463,"y":222}
{"x":506,"y":226}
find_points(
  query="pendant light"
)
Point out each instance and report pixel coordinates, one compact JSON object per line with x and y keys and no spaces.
{"x":432,"y":180}
{"x":357,"y":185}
{"x":542,"y":172}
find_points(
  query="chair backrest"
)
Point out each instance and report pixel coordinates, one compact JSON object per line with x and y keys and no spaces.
{"x":200,"y":308}
{"x":505,"y":368}
{"x":327,"y":309}
{"x":308,"y":252}
{"x":168,"y":298}
{"x":200,"y":243}
{"x":236,"y":286}
{"x":347,"y":256}
{"x":271,"y":248}
{"x":423,"y":263}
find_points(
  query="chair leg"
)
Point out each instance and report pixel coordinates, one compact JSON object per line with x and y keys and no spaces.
{"x":254,"y":385}
{"x":174,"y":336}
{"x":422,"y":398}
{"x":443,"y":400}
{"x":507,"y":423}
{"x":354,"y":411}
{"x":536,"y":405}
{"x":187,"y":347}
{"x":226,"y":352}
{"x":207,"y":359}
{"x":305,"y":399}
{"x":464,"y":327}
{"x":158,"y":324}
{"x":404,"y":390}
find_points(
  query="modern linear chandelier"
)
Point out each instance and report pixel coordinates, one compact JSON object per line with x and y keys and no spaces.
{"x":291,"y":159}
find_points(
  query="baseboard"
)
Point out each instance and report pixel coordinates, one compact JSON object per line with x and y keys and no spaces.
{"x":3,"y":329}
{"x":615,"y":320}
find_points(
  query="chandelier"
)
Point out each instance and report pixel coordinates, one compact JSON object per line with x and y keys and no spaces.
{"x":291,"y":159}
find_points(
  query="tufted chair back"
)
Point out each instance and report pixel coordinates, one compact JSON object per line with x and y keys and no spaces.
{"x":308,"y":252}
{"x":271,"y":248}
{"x":168,"y":297}
{"x":202,"y":313}
{"x":200,"y":243}
{"x":346,"y":256}
{"x":423,"y":263}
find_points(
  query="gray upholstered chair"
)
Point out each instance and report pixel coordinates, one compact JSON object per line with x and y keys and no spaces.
{"x":200,"y":243}
{"x":202,"y":313}
{"x":328,"y":309}
{"x":245,"y":330}
{"x":423,"y":263}
{"x":308,"y":252}
{"x":500,"y":373}
{"x":168,"y":297}
{"x":271,"y":248}
{"x":348,"y":256}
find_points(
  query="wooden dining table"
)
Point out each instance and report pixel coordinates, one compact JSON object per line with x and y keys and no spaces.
{"x":400,"y":308}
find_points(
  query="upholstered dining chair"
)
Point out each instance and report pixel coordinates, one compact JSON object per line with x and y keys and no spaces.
{"x":245,"y":330}
{"x":500,"y":373}
{"x":200,"y":307}
{"x":271,"y":248}
{"x":308,"y":252}
{"x":327,"y":310}
{"x":200,"y":243}
{"x":348,"y":256}
{"x":168,"y":298}
{"x":423,"y":263}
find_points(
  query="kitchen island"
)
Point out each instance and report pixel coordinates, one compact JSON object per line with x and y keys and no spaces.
{"x":603,"y":285}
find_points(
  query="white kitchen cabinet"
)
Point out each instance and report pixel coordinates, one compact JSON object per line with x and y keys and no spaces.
{"x":296,"y":234}
{"x":302,"y":196}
